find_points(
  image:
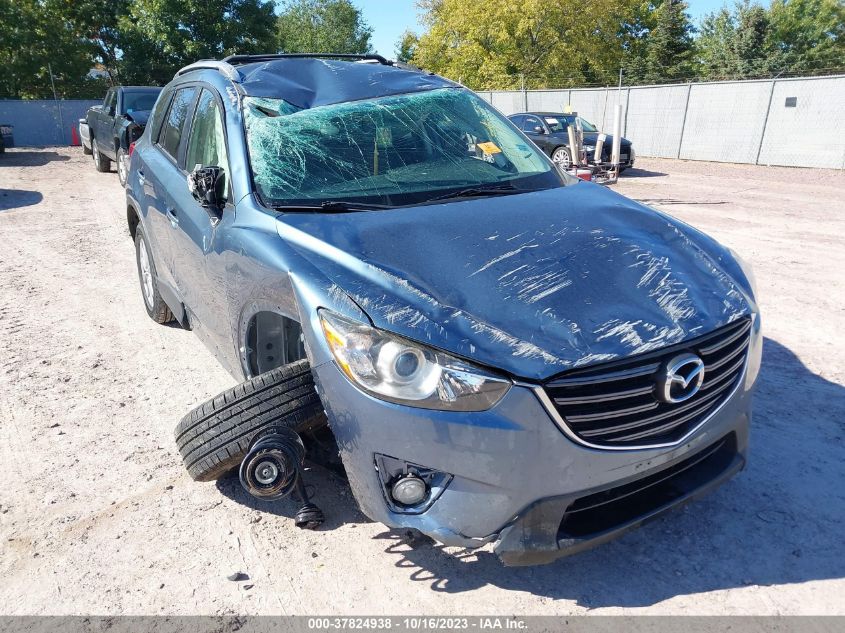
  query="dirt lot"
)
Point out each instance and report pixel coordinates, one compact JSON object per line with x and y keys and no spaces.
{"x":97,"y":515}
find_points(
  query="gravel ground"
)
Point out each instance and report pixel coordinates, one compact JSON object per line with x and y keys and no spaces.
{"x":97,"y":515}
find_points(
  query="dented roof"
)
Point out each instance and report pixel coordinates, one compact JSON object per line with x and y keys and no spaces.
{"x":311,"y":82}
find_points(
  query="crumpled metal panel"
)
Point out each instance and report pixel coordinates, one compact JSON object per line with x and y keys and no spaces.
{"x":309,"y":83}
{"x":533,"y":284}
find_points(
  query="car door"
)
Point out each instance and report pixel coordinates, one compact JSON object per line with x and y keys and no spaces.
{"x":105,"y":121}
{"x":536,"y":131}
{"x":160,"y":175}
{"x":198,"y":256}
{"x":97,"y":116}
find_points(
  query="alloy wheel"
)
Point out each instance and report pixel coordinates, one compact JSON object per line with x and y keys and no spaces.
{"x":146,"y":273}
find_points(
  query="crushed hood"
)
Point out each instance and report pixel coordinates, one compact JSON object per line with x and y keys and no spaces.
{"x":139,"y":116}
{"x":533,"y":284}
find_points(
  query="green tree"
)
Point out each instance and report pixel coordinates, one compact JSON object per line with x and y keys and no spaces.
{"x":323,"y":26}
{"x":668,"y":48}
{"x":736,"y":43}
{"x":716,"y":45}
{"x":160,"y":36}
{"x":38,"y":50}
{"x":498,"y":43}
{"x":406,"y":46}
{"x":808,"y":35}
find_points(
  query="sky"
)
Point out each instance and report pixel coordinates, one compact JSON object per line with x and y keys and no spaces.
{"x":389,"y":18}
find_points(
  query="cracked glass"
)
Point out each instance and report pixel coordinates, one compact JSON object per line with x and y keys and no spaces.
{"x":395,"y":150}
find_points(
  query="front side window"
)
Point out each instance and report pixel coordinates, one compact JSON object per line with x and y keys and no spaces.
{"x":396,"y":150}
{"x":207,"y":143}
{"x":110,"y":101}
{"x":171,"y":132}
{"x":531,"y":124}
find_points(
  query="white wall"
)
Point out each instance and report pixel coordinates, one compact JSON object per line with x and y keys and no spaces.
{"x":719,"y":121}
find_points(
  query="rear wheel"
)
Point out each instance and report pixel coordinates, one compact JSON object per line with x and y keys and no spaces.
{"x":215,"y":437}
{"x":101,"y":163}
{"x":562,"y":157}
{"x":122,"y":166}
{"x":156,"y":307}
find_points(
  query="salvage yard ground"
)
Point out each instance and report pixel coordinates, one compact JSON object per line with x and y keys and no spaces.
{"x":98,"y":516}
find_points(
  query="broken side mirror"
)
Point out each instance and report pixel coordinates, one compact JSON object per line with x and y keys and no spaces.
{"x":206,"y":185}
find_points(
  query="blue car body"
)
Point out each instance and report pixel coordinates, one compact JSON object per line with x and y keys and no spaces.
{"x":561,"y":288}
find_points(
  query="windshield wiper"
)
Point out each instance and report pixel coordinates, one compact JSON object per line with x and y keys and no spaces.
{"x":335,"y":206}
{"x":473,"y":192}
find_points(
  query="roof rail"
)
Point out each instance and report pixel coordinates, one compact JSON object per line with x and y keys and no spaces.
{"x":211,"y":64}
{"x":248,"y":59}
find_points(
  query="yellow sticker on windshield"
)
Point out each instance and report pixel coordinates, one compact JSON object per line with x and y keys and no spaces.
{"x":489,"y":148}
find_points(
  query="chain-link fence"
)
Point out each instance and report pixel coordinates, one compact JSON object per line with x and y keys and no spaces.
{"x":795,"y":121}
{"x":798,"y":121}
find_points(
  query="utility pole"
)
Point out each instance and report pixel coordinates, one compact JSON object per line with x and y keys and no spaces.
{"x":58,"y":103}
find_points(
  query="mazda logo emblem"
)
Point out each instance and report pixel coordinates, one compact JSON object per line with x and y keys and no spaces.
{"x":681,"y":378}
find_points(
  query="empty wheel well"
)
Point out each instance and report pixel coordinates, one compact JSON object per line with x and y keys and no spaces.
{"x":132,"y":219}
{"x":272,"y":340}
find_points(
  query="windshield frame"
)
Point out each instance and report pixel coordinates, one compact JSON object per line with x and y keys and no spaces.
{"x":432,"y":195}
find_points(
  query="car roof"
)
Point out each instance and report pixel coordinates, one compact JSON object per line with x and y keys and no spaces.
{"x":139,"y":88}
{"x":309,"y":82}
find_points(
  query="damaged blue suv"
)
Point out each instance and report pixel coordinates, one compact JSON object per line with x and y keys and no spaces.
{"x":504,"y":354}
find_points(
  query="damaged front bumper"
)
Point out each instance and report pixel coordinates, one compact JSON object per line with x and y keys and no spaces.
{"x":515,"y":478}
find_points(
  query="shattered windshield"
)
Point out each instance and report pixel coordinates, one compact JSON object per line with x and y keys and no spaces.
{"x":396,"y":150}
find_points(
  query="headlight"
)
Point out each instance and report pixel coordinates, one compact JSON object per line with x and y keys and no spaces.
{"x":395,"y":369}
{"x":746,"y":269}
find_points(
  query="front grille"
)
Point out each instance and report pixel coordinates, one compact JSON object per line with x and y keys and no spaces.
{"x":615,"y":404}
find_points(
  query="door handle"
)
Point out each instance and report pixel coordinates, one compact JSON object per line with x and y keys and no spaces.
{"x":141,"y":178}
{"x":170,"y":212}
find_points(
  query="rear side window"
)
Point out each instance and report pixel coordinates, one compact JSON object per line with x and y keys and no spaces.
{"x":171,"y":132}
{"x":159,"y":111}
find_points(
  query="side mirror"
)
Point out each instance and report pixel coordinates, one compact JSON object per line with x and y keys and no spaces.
{"x":206,"y":185}
{"x":538,"y":129}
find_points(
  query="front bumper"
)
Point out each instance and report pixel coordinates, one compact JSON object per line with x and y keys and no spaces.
{"x":515,"y":473}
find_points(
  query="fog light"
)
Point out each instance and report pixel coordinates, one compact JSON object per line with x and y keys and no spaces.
{"x":409,"y":491}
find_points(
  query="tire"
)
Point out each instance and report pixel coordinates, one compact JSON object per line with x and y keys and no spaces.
{"x":156,"y":307}
{"x":214,"y":438}
{"x":122,"y":166}
{"x":562,"y":157}
{"x":101,"y":163}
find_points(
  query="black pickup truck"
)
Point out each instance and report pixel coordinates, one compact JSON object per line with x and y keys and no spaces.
{"x":108,"y":129}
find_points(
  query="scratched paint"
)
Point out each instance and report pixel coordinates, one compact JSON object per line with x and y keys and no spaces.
{"x":584,"y":277}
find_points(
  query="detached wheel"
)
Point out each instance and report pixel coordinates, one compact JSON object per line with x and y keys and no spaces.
{"x":101,"y":163}
{"x":562,"y":157}
{"x":215,"y":437}
{"x":156,"y":307}
{"x":122,"y":166}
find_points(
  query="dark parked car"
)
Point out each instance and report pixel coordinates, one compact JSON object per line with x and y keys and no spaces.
{"x":504,"y":353}
{"x":549,"y":131}
{"x":6,"y":137}
{"x":108,"y":130}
